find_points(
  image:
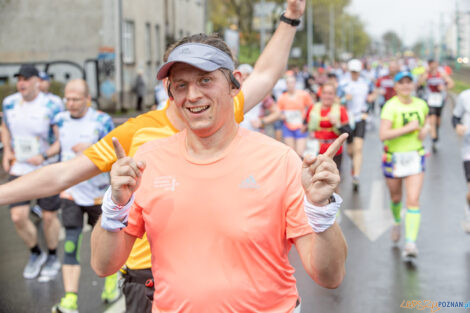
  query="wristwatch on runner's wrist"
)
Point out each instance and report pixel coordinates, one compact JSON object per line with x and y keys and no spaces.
{"x":290,"y":21}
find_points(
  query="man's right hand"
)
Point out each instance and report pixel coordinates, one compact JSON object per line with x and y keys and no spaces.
{"x":125,"y":175}
{"x":8,"y":158}
{"x":412,"y":126}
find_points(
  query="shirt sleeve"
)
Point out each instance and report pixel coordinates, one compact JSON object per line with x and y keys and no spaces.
{"x":238,"y":106}
{"x":135,"y":222}
{"x":387,"y":112}
{"x":107,"y":125}
{"x":296,"y":220}
{"x":459,"y":109}
{"x":102,"y":153}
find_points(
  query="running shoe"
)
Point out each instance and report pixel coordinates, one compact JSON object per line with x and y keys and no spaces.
{"x":51,"y":267}
{"x":434,"y":147}
{"x":34,"y":265}
{"x":410,"y":251}
{"x":355,"y":184}
{"x":68,"y":304}
{"x":396,"y":233}
{"x":111,"y":291}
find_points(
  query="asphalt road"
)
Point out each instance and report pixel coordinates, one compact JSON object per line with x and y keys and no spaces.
{"x":377,"y":279}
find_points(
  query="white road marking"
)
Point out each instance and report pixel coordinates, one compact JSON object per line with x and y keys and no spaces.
{"x":376,"y":220}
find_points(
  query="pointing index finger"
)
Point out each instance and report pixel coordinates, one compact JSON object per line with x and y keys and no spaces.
{"x":334,"y":147}
{"x":118,"y":149}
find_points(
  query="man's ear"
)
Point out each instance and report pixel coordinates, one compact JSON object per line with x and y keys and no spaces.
{"x":236,"y":78}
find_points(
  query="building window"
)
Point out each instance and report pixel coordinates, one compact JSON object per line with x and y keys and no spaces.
{"x":148,"y":44}
{"x":158,"y":43}
{"x":128,"y":42}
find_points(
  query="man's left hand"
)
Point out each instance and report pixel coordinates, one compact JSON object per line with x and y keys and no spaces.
{"x":320,"y":176}
{"x":295,"y":9}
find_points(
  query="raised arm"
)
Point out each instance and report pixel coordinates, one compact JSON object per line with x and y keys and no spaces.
{"x":272,"y":62}
{"x":48,"y":180}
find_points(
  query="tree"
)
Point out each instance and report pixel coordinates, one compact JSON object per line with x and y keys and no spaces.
{"x":392,"y":42}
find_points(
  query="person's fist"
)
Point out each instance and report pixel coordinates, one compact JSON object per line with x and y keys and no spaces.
{"x":295,"y":9}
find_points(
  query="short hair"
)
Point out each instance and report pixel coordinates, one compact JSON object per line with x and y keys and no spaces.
{"x":329,"y":84}
{"x":212,"y":40}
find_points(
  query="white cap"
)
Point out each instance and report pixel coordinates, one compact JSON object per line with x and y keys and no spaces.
{"x":355,"y":65}
{"x":245,"y":68}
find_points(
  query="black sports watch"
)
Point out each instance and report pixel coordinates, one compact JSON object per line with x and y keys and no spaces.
{"x":292,"y":22}
{"x":332,"y":199}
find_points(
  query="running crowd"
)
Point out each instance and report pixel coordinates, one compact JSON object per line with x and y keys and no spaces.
{"x":197,"y":214}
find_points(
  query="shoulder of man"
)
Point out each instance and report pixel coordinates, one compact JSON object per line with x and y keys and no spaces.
{"x":11,"y":100}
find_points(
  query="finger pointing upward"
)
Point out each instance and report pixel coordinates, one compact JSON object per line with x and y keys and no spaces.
{"x":118,"y":149}
{"x":334,"y":147}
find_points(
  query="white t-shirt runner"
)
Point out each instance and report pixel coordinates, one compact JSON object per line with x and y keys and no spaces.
{"x":93,"y":126}
{"x":462,"y":110}
{"x":359,"y":90}
{"x":30,"y":126}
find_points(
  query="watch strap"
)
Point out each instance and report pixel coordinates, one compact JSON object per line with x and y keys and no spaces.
{"x":290,"y":21}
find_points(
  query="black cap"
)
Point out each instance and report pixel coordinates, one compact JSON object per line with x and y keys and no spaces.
{"x":27,"y":71}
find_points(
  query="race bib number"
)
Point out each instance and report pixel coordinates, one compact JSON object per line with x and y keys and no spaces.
{"x":406,"y":163}
{"x":65,"y":156}
{"x":25,"y":147}
{"x":312,"y":147}
{"x":293,"y":118}
{"x":435,"y":99}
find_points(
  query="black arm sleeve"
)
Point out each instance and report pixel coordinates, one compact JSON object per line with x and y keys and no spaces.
{"x":456,"y":120}
{"x":345,"y":129}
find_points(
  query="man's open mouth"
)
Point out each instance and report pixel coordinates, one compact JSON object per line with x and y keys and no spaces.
{"x":197,"y":110}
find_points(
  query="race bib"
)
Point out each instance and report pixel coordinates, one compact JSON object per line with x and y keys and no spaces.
{"x":435,"y":99}
{"x":312,"y":147}
{"x":294,"y":118}
{"x":352,"y":120}
{"x":406,"y":163}
{"x":25,"y":147}
{"x":67,"y":155}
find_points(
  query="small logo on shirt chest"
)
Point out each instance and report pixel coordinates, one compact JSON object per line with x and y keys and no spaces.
{"x":168,"y":183}
{"x":249,"y":183}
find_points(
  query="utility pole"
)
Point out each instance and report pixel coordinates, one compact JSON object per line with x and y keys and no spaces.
{"x":262,"y":32}
{"x":332,"y":33}
{"x":309,"y":35}
{"x":459,"y":38}
{"x":118,"y":54}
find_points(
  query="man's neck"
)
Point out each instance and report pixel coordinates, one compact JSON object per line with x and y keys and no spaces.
{"x":213,"y":146}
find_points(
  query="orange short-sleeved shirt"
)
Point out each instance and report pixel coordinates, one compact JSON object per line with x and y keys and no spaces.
{"x":132,"y":134}
{"x":294,"y":108}
{"x":220,"y":232}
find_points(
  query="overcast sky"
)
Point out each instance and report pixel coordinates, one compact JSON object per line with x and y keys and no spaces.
{"x":410,"y":19}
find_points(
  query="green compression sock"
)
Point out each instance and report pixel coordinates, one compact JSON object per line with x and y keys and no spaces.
{"x":396,"y":210}
{"x":413,"y":219}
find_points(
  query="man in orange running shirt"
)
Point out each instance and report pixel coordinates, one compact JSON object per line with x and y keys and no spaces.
{"x":221,"y":205}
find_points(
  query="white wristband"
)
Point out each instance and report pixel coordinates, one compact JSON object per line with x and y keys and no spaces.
{"x":321,"y":218}
{"x":114,"y":217}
